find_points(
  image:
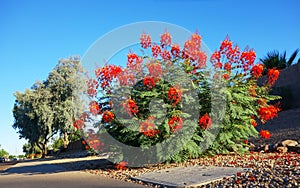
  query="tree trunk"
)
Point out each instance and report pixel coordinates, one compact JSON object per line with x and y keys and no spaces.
{"x":44,"y":149}
{"x":65,"y":139}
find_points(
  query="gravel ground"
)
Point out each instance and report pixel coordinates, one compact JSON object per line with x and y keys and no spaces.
{"x":267,"y":169}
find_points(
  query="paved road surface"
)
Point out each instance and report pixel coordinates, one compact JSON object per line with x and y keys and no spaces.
{"x":43,"y":174}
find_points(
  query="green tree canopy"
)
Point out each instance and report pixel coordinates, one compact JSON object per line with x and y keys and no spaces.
{"x":3,"y":153}
{"x":50,"y":107}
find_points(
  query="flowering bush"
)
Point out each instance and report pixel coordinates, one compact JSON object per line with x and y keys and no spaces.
{"x":151,"y":91}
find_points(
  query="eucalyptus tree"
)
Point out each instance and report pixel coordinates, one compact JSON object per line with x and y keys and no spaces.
{"x":34,"y":116}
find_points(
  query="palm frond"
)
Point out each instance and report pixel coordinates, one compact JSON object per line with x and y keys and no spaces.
{"x":293,"y":57}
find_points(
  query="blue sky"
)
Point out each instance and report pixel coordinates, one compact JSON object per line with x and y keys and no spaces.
{"x":34,"y":35}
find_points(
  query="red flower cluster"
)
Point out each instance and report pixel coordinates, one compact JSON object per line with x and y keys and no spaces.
{"x":78,"y":124}
{"x":155,"y":70}
{"x":267,"y":113}
{"x":165,"y":39}
{"x":145,"y":40}
{"x":175,"y":50}
{"x":215,"y":57}
{"x":205,"y":121}
{"x":106,"y":74}
{"x":165,"y":55}
{"x":134,"y":62}
{"x":257,"y":70}
{"x":192,"y":51}
{"x":273,"y":75}
{"x":94,"y":108}
{"x":175,"y":123}
{"x":248,"y":58}
{"x":148,"y":127}
{"x":226,"y":76}
{"x":226,"y":45}
{"x":149,"y":82}
{"x":227,"y":66}
{"x":126,"y":78}
{"x":92,"y":86}
{"x":130,"y":107}
{"x":174,"y":95}
{"x":265,"y":134}
{"x":253,"y":122}
{"x":121,"y":165}
{"x":94,"y":142}
{"x":155,"y":50}
{"x":108,"y":116}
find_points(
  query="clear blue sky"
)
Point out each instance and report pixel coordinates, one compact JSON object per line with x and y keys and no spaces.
{"x":35,"y":34}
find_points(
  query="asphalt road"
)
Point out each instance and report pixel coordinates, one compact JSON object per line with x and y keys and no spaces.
{"x":43,"y":174}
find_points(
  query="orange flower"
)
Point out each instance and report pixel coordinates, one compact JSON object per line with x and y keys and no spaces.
{"x":155,"y":50}
{"x":175,"y":124}
{"x":267,"y":113}
{"x":205,"y":121}
{"x":165,"y":39}
{"x":145,"y":40}
{"x":94,"y":108}
{"x":130,"y":107}
{"x":155,"y":70}
{"x":257,"y":70}
{"x":148,"y":127}
{"x":108,"y":116}
{"x":175,"y":51}
{"x":149,"y":82}
{"x":134,"y":62}
{"x":226,"y":76}
{"x":121,"y":165}
{"x":265,"y":134}
{"x":253,"y":122}
{"x":174,"y":95}
{"x":273,"y":75}
{"x":227,"y":66}
{"x":78,"y":124}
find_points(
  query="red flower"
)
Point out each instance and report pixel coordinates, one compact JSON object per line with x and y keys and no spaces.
{"x":225,"y":45}
{"x":226,"y":76}
{"x":155,"y":70}
{"x":94,"y":108}
{"x":130,"y":107}
{"x":108,"y":116}
{"x":155,"y":50}
{"x":265,"y":134}
{"x":106,"y":74}
{"x":121,"y":165}
{"x":215,"y":57}
{"x":175,"y":51}
{"x":200,"y":60}
{"x":205,"y":121}
{"x":257,"y":70}
{"x":149,"y":82}
{"x":175,"y":124}
{"x":253,"y":122}
{"x":218,"y":65}
{"x":145,"y":40}
{"x":134,"y":62}
{"x":165,"y":55}
{"x":174,"y":95}
{"x":273,"y":75}
{"x":248,"y":57}
{"x":148,"y":127}
{"x":227,"y":66}
{"x":78,"y":124}
{"x":268,"y":112}
{"x":165,"y":39}
{"x":92,"y":86}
